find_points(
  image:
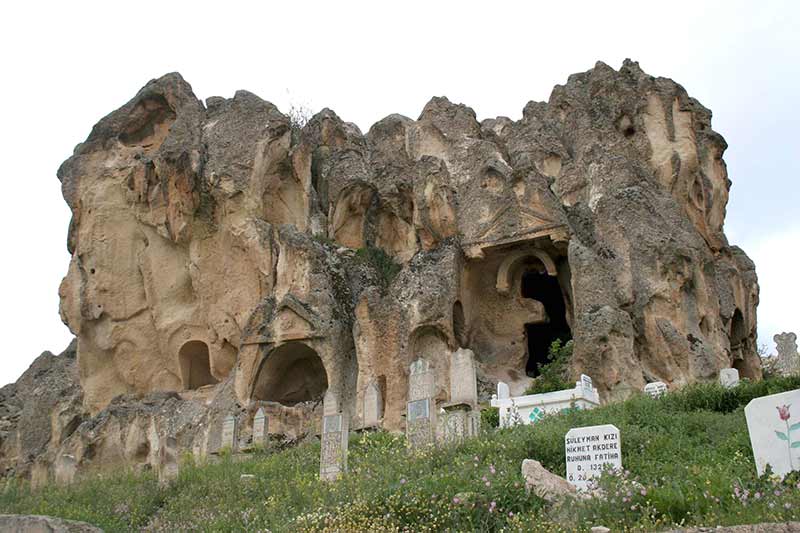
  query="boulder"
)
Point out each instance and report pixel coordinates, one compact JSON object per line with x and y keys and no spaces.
{"x":544,"y":483}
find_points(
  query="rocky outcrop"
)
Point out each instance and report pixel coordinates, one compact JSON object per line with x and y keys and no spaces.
{"x":220,"y":249}
{"x":43,"y":524}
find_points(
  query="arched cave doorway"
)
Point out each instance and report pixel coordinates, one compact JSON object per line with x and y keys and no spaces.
{"x":544,"y":288}
{"x":292,"y":373}
{"x":195,"y":365}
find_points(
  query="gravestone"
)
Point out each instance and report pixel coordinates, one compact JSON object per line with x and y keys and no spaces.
{"x":459,"y":419}
{"x":373,"y":405}
{"x":728,"y":377}
{"x":655,"y":389}
{"x":335,"y":434}
{"x":167,"y":461}
{"x":587,"y":385}
{"x":463,"y":379}
{"x":503,"y":392}
{"x":260,"y":427}
{"x":229,"y":437}
{"x":788,"y":359}
{"x":591,"y":450}
{"x":420,"y":415}
{"x":774,"y":426}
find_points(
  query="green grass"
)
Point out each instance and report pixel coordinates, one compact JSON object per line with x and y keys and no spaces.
{"x":687,"y":457}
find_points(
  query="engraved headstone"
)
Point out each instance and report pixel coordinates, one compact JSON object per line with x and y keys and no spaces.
{"x":463,"y":379}
{"x":373,"y":405}
{"x":335,"y":433}
{"x":773,"y":423}
{"x":503,"y":392}
{"x":229,"y":437}
{"x":420,"y":381}
{"x":420,"y":423}
{"x":587,"y":385}
{"x":167,"y":460}
{"x":728,"y":377}
{"x":260,"y":427}
{"x":589,"y":451}
{"x":788,"y":358}
{"x":655,"y":389}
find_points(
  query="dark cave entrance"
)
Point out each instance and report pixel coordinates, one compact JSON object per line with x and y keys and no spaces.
{"x":544,"y":288}
{"x":292,"y":373}
{"x":195,"y":365}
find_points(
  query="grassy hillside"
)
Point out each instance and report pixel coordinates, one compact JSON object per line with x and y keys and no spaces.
{"x":687,"y":458}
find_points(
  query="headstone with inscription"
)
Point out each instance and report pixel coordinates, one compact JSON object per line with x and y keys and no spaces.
{"x":591,"y":450}
{"x":230,"y":437}
{"x":335,"y":434}
{"x":655,"y":389}
{"x":420,"y":415}
{"x":773,"y":423}
{"x":788,"y":358}
{"x":463,"y":378}
{"x":260,"y":427}
{"x":373,"y":405}
{"x":728,"y":377}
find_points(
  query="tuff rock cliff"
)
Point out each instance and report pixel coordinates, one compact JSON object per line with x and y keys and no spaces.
{"x":226,"y":258}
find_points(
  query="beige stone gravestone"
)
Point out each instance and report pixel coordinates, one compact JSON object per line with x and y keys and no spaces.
{"x":420,"y":409}
{"x":373,"y":405}
{"x":463,"y":379}
{"x":335,"y":433}
{"x":773,"y":423}
{"x":229,"y":438}
{"x":788,"y":358}
{"x":260,"y":427}
{"x":168,"y":460}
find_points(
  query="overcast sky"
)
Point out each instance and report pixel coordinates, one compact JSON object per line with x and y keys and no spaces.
{"x":66,"y":65}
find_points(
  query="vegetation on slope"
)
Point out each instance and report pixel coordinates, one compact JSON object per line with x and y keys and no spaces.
{"x":687,"y":458}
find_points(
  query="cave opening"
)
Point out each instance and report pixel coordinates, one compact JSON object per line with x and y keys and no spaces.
{"x":195,"y":365}
{"x":544,"y":288}
{"x":292,"y":373}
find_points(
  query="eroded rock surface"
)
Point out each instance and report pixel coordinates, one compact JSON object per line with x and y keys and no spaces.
{"x":219,"y":249}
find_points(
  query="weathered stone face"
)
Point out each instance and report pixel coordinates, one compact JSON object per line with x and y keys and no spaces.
{"x":218,"y":243}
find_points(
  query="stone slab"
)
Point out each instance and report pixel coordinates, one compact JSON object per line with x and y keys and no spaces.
{"x":773,"y":423}
{"x":589,"y":451}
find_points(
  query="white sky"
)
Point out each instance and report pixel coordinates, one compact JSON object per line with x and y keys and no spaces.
{"x":67,"y":64}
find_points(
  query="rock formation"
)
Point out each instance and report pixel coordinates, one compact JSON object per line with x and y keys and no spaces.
{"x":222,"y":251}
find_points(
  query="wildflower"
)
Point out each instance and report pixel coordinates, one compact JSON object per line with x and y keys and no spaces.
{"x":456,"y":501}
{"x":488,"y":483}
{"x":511,"y":513}
{"x":492,"y":469}
{"x":783,"y":412}
{"x":643,"y":492}
{"x":771,"y":505}
{"x":403,"y":481}
{"x":787,"y":505}
{"x":484,"y":479}
{"x":757,"y":495}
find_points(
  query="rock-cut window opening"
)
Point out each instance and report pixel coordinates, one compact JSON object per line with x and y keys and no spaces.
{"x":292,"y":373}
{"x":195,"y":365}
{"x":544,"y":288}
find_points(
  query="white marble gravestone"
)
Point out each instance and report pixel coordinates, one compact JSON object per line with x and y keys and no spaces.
{"x":503,"y":392}
{"x":373,"y":405}
{"x":420,"y":415}
{"x":229,"y":437}
{"x":589,"y":451}
{"x":260,"y":427}
{"x":463,"y":379}
{"x":728,"y":377}
{"x":586,"y":384}
{"x":335,"y":434}
{"x":655,"y":389}
{"x":788,"y":358}
{"x":774,"y":426}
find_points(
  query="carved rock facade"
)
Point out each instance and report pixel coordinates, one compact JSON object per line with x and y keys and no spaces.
{"x":220,"y":245}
